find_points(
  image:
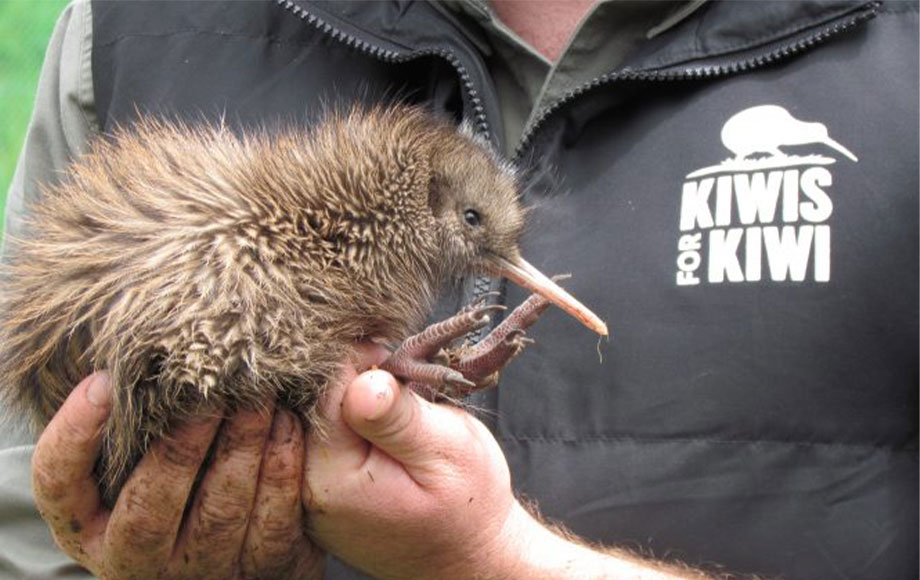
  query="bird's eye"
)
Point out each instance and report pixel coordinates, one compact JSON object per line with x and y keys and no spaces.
{"x":471,"y":217}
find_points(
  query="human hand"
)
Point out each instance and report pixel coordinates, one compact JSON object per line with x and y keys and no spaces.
{"x":244,"y":522}
{"x":401,"y":487}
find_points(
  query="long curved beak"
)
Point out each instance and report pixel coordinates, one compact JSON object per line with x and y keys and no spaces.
{"x":519,"y":271}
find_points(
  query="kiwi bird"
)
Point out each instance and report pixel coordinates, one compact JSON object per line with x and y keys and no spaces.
{"x":209,"y":270}
{"x":765,"y":128}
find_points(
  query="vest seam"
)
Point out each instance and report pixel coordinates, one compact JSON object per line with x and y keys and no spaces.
{"x":199,"y":32}
{"x":713,"y":440}
{"x":689,"y":55}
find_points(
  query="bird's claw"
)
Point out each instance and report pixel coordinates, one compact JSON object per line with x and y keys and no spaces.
{"x":515,"y":334}
{"x":518,"y":339}
{"x":477,"y":303}
{"x":442,"y":357}
{"x":481,"y":313}
{"x":458,"y":382}
{"x":434,"y":369}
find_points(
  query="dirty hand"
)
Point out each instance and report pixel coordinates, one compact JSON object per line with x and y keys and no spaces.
{"x":403,"y":488}
{"x":245,"y":519}
{"x":400,"y":487}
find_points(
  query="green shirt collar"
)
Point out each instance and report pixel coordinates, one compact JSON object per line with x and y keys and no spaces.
{"x":527,"y":82}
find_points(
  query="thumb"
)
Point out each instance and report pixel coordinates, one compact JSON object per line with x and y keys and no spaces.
{"x":75,"y":432}
{"x":391,"y":417}
{"x":62,"y":463}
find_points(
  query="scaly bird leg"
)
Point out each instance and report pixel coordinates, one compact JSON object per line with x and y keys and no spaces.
{"x":465,"y":369}
{"x":411,"y":360}
{"x":481,"y":363}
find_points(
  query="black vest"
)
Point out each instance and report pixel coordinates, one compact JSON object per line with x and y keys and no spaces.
{"x":738,"y":201}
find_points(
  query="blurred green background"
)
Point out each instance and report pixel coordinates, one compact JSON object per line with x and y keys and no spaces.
{"x":25,"y":27}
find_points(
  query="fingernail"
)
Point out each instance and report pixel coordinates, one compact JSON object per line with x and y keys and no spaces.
{"x":283,"y":426}
{"x":382,"y":392}
{"x":99,"y":390}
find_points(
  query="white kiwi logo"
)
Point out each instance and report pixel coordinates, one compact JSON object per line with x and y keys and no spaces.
{"x":761,"y":214}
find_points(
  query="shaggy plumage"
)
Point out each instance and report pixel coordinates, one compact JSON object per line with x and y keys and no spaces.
{"x":209,"y":271}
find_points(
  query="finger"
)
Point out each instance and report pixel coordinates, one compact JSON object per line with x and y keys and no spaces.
{"x":212,"y":538}
{"x":276,"y":545}
{"x":145,"y":522}
{"x":376,"y":409}
{"x":66,"y":492}
{"x":419,"y":435}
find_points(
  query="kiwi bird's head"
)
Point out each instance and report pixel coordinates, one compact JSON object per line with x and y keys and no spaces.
{"x":417,"y":202}
{"x":475,"y":199}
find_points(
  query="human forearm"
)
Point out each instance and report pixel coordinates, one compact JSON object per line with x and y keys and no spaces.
{"x":402,"y":488}
{"x":533,"y":549}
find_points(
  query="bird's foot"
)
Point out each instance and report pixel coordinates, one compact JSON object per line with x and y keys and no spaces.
{"x":411,"y":361}
{"x":482,"y":362}
{"x":436,"y":371}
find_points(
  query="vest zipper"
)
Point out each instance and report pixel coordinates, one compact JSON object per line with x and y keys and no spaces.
{"x":704,"y":72}
{"x":395,"y":57}
{"x":481,"y":284}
